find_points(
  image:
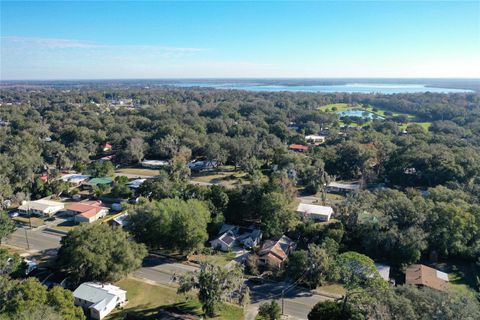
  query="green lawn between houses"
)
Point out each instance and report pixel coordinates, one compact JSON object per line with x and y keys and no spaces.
{"x":379,"y":112}
{"x":145,"y":300}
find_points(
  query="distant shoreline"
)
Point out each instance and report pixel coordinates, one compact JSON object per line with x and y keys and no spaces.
{"x":472,"y":85}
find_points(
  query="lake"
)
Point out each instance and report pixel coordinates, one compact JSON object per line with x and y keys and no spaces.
{"x":383,"y":88}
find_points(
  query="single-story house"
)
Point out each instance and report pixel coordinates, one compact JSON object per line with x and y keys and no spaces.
{"x":97,"y":299}
{"x":298,"y":148}
{"x":135,"y":184}
{"x":422,"y":275}
{"x":87,"y":211}
{"x":231,"y":235}
{"x":314,"y":212}
{"x":274,"y":252}
{"x":74,"y":178}
{"x":198,"y":165}
{"x":41,"y":207}
{"x":315,"y":139}
{"x":154,"y":164}
{"x":342,"y":187}
{"x":90,"y":184}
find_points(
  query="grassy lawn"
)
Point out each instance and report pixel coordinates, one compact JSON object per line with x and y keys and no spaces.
{"x":379,"y":112}
{"x":331,"y":290}
{"x":339,"y":106}
{"x":146,"y":300}
{"x":462,"y":275}
{"x":224,"y":178}
{"x":36,"y":222}
{"x":138,"y":171}
{"x":220,"y":258}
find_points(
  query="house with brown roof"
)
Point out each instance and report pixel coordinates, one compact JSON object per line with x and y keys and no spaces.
{"x":421,"y":275}
{"x":274,"y":252}
{"x":298,"y":148}
{"x":87,"y":211}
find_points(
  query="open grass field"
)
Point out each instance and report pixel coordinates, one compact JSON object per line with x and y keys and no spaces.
{"x":138,"y":171}
{"x":146,"y":301}
{"x":377,"y":111}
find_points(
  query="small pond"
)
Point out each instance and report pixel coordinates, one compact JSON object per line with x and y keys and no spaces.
{"x":360,"y":113}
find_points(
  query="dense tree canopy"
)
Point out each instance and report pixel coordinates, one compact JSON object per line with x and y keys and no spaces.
{"x":99,"y":252}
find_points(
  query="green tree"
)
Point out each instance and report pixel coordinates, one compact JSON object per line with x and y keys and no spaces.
{"x":214,"y":285}
{"x":276,"y":214}
{"x":331,"y":310}
{"x":135,"y":150}
{"x":269,"y":311}
{"x":171,"y":223}
{"x":99,"y":253}
{"x":29,"y":299}
{"x":312,"y":267}
{"x":11,"y":263}
{"x":7,"y":227}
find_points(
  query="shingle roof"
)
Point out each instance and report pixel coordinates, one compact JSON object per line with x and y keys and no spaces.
{"x":419,"y":274}
{"x":278,"y":247}
{"x":87,"y":209}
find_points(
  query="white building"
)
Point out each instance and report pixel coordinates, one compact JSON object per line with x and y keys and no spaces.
{"x":135,"y":184}
{"x":99,"y":299}
{"x":154,"y":164}
{"x":315,"y":212}
{"x":41,"y":207}
{"x":314,"y":139}
{"x":74,"y":178}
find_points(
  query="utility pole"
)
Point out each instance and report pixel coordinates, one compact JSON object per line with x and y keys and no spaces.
{"x":26,"y":238}
{"x":29,"y":222}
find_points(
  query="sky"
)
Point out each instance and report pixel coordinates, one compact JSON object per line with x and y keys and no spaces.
{"x":229,"y":39}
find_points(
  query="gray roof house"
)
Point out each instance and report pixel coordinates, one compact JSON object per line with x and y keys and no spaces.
{"x":99,"y":299}
{"x":231,"y":235}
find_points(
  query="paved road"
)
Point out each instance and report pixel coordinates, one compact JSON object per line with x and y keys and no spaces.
{"x":38,"y":239}
{"x":161,"y":270}
{"x":297,"y":303}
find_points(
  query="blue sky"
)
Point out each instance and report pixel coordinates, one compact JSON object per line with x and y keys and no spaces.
{"x":105,"y":40}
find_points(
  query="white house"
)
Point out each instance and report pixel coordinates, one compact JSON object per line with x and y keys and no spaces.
{"x":314,"y":139}
{"x":41,"y":207}
{"x":315,"y":212}
{"x":225,"y":242}
{"x":74,"y":178}
{"x":343,"y":187}
{"x":231,"y":235}
{"x":99,"y":299}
